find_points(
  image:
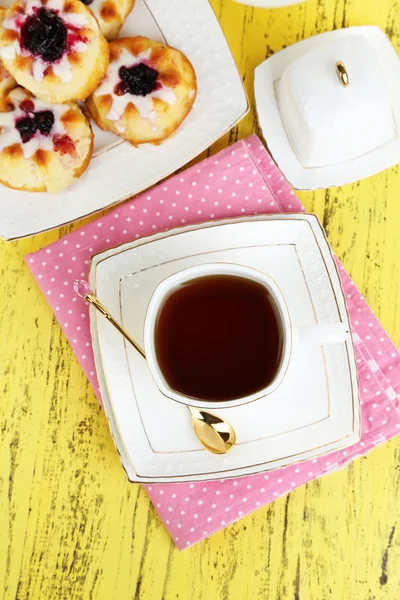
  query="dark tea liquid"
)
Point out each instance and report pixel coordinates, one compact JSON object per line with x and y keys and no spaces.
{"x":219,"y":337}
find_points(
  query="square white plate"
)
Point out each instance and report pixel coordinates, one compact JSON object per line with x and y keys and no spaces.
{"x":118,"y":170}
{"x":316,"y":408}
{"x":268,"y":75}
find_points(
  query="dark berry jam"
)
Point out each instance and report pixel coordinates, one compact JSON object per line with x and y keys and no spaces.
{"x":87,"y":2}
{"x":41,"y":121}
{"x":44,"y":34}
{"x":27,"y":128}
{"x":44,"y":121}
{"x":138,"y":80}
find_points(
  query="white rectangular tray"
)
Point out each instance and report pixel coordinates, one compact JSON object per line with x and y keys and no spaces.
{"x":118,"y":170}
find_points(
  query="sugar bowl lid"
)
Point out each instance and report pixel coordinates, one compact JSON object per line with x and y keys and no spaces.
{"x":329,"y":107}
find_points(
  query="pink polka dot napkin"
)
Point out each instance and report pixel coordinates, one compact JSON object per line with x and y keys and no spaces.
{"x":240,"y":180}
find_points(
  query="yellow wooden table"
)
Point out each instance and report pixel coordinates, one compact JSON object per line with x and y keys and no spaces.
{"x":72,"y":527}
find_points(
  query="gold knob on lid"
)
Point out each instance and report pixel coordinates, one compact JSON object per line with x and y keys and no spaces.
{"x":342,"y":74}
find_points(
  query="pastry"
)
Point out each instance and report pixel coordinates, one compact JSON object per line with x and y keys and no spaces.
{"x":53,"y":48}
{"x":7,"y":83}
{"x":147,"y":92}
{"x":110,"y":15}
{"x":43,"y":147}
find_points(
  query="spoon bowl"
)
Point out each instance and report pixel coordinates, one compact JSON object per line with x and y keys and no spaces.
{"x":215,"y":434}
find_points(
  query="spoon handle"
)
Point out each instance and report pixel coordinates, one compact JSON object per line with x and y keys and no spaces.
{"x":215,"y":435}
{"x":92,"y":299}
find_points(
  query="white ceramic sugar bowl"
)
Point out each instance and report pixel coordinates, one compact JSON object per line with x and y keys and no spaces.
{"x":329,"y":107}
{"x":335,"y":110}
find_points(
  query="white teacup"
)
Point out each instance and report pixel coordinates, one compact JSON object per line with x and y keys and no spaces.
{"x":315,"y":334}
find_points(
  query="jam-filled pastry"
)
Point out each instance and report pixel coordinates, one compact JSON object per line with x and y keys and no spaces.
{"x":7,"y":83}
{"x":148,"y":91}
{"x":43,"y":147}
{"x":54,"y":48}
{"x":110,"y":14}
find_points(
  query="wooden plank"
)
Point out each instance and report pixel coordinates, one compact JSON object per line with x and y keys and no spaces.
{"x":72,"y":527}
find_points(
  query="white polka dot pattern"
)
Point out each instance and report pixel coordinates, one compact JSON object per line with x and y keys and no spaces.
{"x":240,"y":180}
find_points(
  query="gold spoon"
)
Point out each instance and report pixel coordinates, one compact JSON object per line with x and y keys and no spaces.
{"x":215,"y":434}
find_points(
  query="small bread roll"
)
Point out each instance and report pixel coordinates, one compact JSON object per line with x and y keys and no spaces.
{"x":43,"y":147}
{"x":110,"y":14}
{"x":7,"y":83}
{"x":148,"y":91}
{"x":54,"y":48}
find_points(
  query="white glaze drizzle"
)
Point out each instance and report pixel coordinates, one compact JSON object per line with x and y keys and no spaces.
{"x":10,"y":24}
{"x":144,"y":104}
{"x":10,"y":135}
{"x":62,"y":67}
{"x":8,"y":52}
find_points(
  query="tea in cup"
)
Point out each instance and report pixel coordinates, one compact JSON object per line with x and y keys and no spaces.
{"x":219,"y":335}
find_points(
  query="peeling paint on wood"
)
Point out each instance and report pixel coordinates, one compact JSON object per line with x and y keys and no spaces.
{"x":71,"y":526}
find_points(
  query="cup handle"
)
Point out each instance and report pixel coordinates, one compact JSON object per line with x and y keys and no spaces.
{"x":332,"y":333}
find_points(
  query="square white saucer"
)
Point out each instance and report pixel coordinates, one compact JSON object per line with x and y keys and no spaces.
{"x":314,"y":411}
{"x":118,"y":170}
{"x":267,"y":78}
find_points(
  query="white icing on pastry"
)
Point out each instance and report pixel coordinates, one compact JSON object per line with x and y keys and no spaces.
{"x":62,"y":67}
{"x":63,"y":70}
{"x":10,"y":24}
{"x":57,"y":5}
{"x":144,"y":104}
{"x":77,"y":20}
{"x":8,"y":52}
{"x":38,"y":68}
{"x":10,"y":135}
